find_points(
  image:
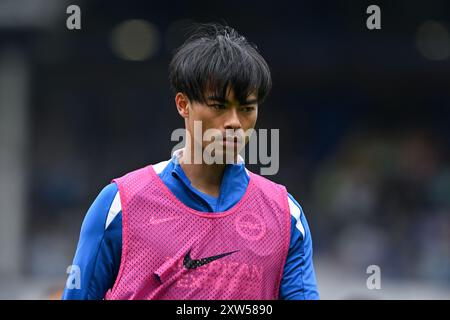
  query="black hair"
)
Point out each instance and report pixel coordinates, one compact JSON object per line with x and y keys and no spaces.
{"x":216,"y":58}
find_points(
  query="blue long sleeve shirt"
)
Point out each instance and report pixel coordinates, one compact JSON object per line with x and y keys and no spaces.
{"x":98,"y":253}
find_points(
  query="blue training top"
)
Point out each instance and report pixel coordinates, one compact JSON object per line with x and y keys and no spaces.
{"x":99,"y":248}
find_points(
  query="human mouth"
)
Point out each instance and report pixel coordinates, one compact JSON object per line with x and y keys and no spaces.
{"x":230,"y":141}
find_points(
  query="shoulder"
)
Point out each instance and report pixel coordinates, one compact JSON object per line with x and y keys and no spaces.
{"x":96,"y":217}
{"x":265,"y":183}
{"x":297,"y":216}
{"x":145,"y":174}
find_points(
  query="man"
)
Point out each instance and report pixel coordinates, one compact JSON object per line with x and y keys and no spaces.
{"x":184,"y":229}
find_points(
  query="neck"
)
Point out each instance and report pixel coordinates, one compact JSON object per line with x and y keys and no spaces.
{"x":204,"y":177}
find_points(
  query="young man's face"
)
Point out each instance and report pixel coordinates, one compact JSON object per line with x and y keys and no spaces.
{"x":229,"y":117}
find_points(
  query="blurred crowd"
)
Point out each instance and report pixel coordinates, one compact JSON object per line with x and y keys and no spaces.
{"x":383,"y":198}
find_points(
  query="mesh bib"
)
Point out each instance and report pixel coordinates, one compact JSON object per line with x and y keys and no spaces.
{"x":170,"y":251}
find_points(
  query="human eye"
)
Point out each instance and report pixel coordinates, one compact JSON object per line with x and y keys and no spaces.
{"x":248,"y":108}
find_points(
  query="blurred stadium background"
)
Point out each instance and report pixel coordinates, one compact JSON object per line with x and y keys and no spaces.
{"x":363,"y":116}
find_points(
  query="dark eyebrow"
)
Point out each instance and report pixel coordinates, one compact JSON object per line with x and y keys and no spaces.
{"x":218,"y":99}
{"x":246,"y":103}
{"x":222,"y":100}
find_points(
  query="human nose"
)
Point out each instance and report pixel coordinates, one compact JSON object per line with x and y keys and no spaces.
{"x":232,"y":120}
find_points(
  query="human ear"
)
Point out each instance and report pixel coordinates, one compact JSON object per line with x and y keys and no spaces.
{"x":182,"y":102}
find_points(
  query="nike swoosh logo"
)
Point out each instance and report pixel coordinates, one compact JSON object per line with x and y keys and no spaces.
{"x":192,"y":264}
{"x":154,"y":220}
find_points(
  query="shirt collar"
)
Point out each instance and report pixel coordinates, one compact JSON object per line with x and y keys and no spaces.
{"x":179,"y":152}
{"x":232,"y":181}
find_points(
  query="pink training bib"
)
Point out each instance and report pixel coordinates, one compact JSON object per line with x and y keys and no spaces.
{"x":170,"y":251}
